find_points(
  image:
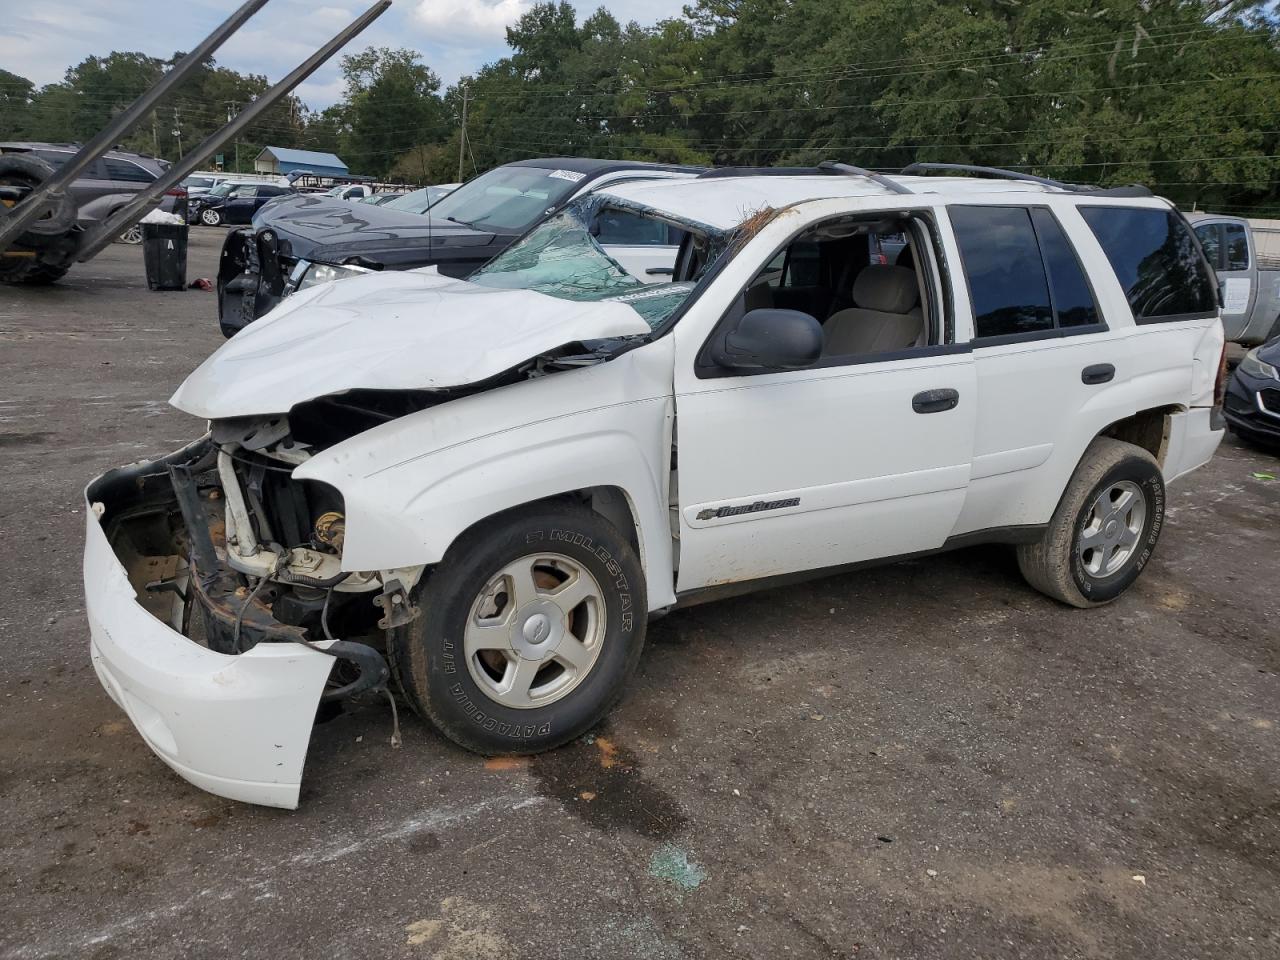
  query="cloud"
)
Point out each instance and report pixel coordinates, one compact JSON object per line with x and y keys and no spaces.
{"x":470,"y":19}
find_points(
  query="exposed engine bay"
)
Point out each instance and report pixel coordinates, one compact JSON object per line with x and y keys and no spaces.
{"x":222,"y":544}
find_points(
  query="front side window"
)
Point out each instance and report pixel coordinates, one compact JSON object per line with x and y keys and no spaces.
{"x":561,"y":258}
{"x":1237,"y":246}
{"x":1002,"y":264}
{"x":624,"y":229}
{"x":1157,"y":261}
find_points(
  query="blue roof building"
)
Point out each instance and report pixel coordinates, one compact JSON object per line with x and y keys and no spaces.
{"x":284,"y":160}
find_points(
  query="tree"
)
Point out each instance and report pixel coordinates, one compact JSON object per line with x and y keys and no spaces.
{"x":393,"y":105}
{"x":15,"y":105}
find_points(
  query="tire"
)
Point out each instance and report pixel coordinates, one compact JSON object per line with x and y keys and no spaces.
{"x":459,"y":689}
{"x":1062,"y":564}
{"x":30,"y":270}
{"x":20,"y":169}
{"x":211,"y":217}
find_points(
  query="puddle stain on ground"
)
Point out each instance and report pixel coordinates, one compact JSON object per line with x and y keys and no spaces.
{"x":671,"y":863}
{"x":600,"y":782}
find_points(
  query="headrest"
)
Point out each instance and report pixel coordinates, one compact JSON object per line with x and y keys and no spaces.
{"x":886,"y":289}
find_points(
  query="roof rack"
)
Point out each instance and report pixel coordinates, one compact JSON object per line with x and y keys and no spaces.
{"x":999,"y":173}
{"x":849,"y":170}
{"x":825,"y":167}
{"x":996,"y":173}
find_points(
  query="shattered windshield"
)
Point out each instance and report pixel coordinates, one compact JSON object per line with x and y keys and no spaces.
{"x":562,"y":258}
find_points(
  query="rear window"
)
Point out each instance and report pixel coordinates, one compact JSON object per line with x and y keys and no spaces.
{"x":1157,"y":261}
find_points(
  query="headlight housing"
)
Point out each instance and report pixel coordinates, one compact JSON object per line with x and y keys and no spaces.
{"x":324,"y":272}
{"x":1251,"y":366}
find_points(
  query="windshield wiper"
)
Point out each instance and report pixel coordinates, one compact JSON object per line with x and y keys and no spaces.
{"x":460,"y":222}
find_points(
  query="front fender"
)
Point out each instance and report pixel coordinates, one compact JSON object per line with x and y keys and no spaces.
{"x":412,"y":486}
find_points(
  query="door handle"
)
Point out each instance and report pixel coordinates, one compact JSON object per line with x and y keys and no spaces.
{"x":1097,"y":373}
{"x":661,"y":271}
{"x":935,"y":401}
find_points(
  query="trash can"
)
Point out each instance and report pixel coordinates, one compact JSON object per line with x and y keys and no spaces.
{"x":164,"y":251}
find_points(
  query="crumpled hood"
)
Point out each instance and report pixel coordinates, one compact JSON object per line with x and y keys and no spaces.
{"x":412,"y":330}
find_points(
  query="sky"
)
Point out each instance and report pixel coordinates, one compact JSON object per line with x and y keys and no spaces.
{"x":455,"y":37}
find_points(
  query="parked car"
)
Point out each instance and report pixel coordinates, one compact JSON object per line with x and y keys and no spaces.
{"x":310,"y":239}
{"x":232,"y":203}
{"x":200,"y":183}
{"x":477,"y":480}
{"x":108,"y":183}
{"x":418,"y":201}
{"x":1247,"y":260}
{"x":378,"y":199}
{"x":1253,"y":396}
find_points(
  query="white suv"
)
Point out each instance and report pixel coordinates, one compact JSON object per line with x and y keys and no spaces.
{"x":484,"y":488}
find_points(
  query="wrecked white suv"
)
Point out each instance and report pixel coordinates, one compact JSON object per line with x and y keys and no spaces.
{"x":480,"y":490}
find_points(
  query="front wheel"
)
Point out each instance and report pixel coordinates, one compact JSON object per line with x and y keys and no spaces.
{"x":531,"y":626}
{"x":1104,"y":530}
{"x":210,"y":217}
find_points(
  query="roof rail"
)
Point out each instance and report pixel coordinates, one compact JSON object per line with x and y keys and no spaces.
{"x":847,"y":169}
{"x":717,"y":172}
{"x":996,"y":173}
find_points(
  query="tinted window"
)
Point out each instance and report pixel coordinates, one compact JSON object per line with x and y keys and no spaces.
{"x":53,"y":158}
{"x":1237,"y":247}
{"x":1073,"y":302}
{"x":803,"y":264}
{"x":1156,"y":260}
{"x":1211,"y":241}
{"x":1002,"y":264}
{"x":622,"y":228}
{"x":124,"y":170}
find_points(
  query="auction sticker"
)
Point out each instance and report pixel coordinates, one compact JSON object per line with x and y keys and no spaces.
{"x":570,"y":175}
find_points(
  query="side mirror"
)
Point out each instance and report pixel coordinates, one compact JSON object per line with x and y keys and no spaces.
{"x":771,"y":339}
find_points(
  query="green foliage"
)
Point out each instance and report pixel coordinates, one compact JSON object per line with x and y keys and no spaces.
{"x":1183,"y":95}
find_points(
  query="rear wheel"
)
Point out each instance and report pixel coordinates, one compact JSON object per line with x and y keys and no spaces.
{"x":133,"y":235}
{"x":1104,"y":530}
{"x":530,"y":628}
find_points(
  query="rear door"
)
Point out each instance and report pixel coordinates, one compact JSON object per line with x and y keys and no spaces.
{"x":1044,"y":353}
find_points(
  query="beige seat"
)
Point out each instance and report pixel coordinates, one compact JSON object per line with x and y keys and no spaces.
{"x":887,"y":315}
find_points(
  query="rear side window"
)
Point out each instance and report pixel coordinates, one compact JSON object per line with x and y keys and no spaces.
{"x":1237,"y":247}
{"x":1073,"y":303}
{"x":1002,"y":264}
{"x":1211,"y":243}
{"x":1157,"y":261}
{"x":124,"y":170}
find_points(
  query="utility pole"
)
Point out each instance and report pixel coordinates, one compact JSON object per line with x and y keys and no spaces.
{"x":231,"y":105}
{"x":177,"y":130}
{"x":462,"y":141}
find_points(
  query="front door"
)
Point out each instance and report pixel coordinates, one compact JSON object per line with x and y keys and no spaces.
{"x":861,"y":456}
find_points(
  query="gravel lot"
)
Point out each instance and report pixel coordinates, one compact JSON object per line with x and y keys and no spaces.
{"x":923,"y":760}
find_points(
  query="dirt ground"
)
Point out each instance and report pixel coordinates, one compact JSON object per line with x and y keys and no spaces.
{"x":923,"y":760}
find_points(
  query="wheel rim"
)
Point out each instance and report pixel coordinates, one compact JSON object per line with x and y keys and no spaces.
{"x":132,"y":235}
{"x":210,"y":217}
{"x":535,"y":631}
{"x":1113,"y":528}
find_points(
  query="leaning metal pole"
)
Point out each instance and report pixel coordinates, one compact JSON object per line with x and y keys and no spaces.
{"x":106,"y":231}
{"x":24,"y":213}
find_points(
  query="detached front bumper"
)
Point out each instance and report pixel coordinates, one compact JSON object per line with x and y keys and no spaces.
{"x":235,"y":725}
